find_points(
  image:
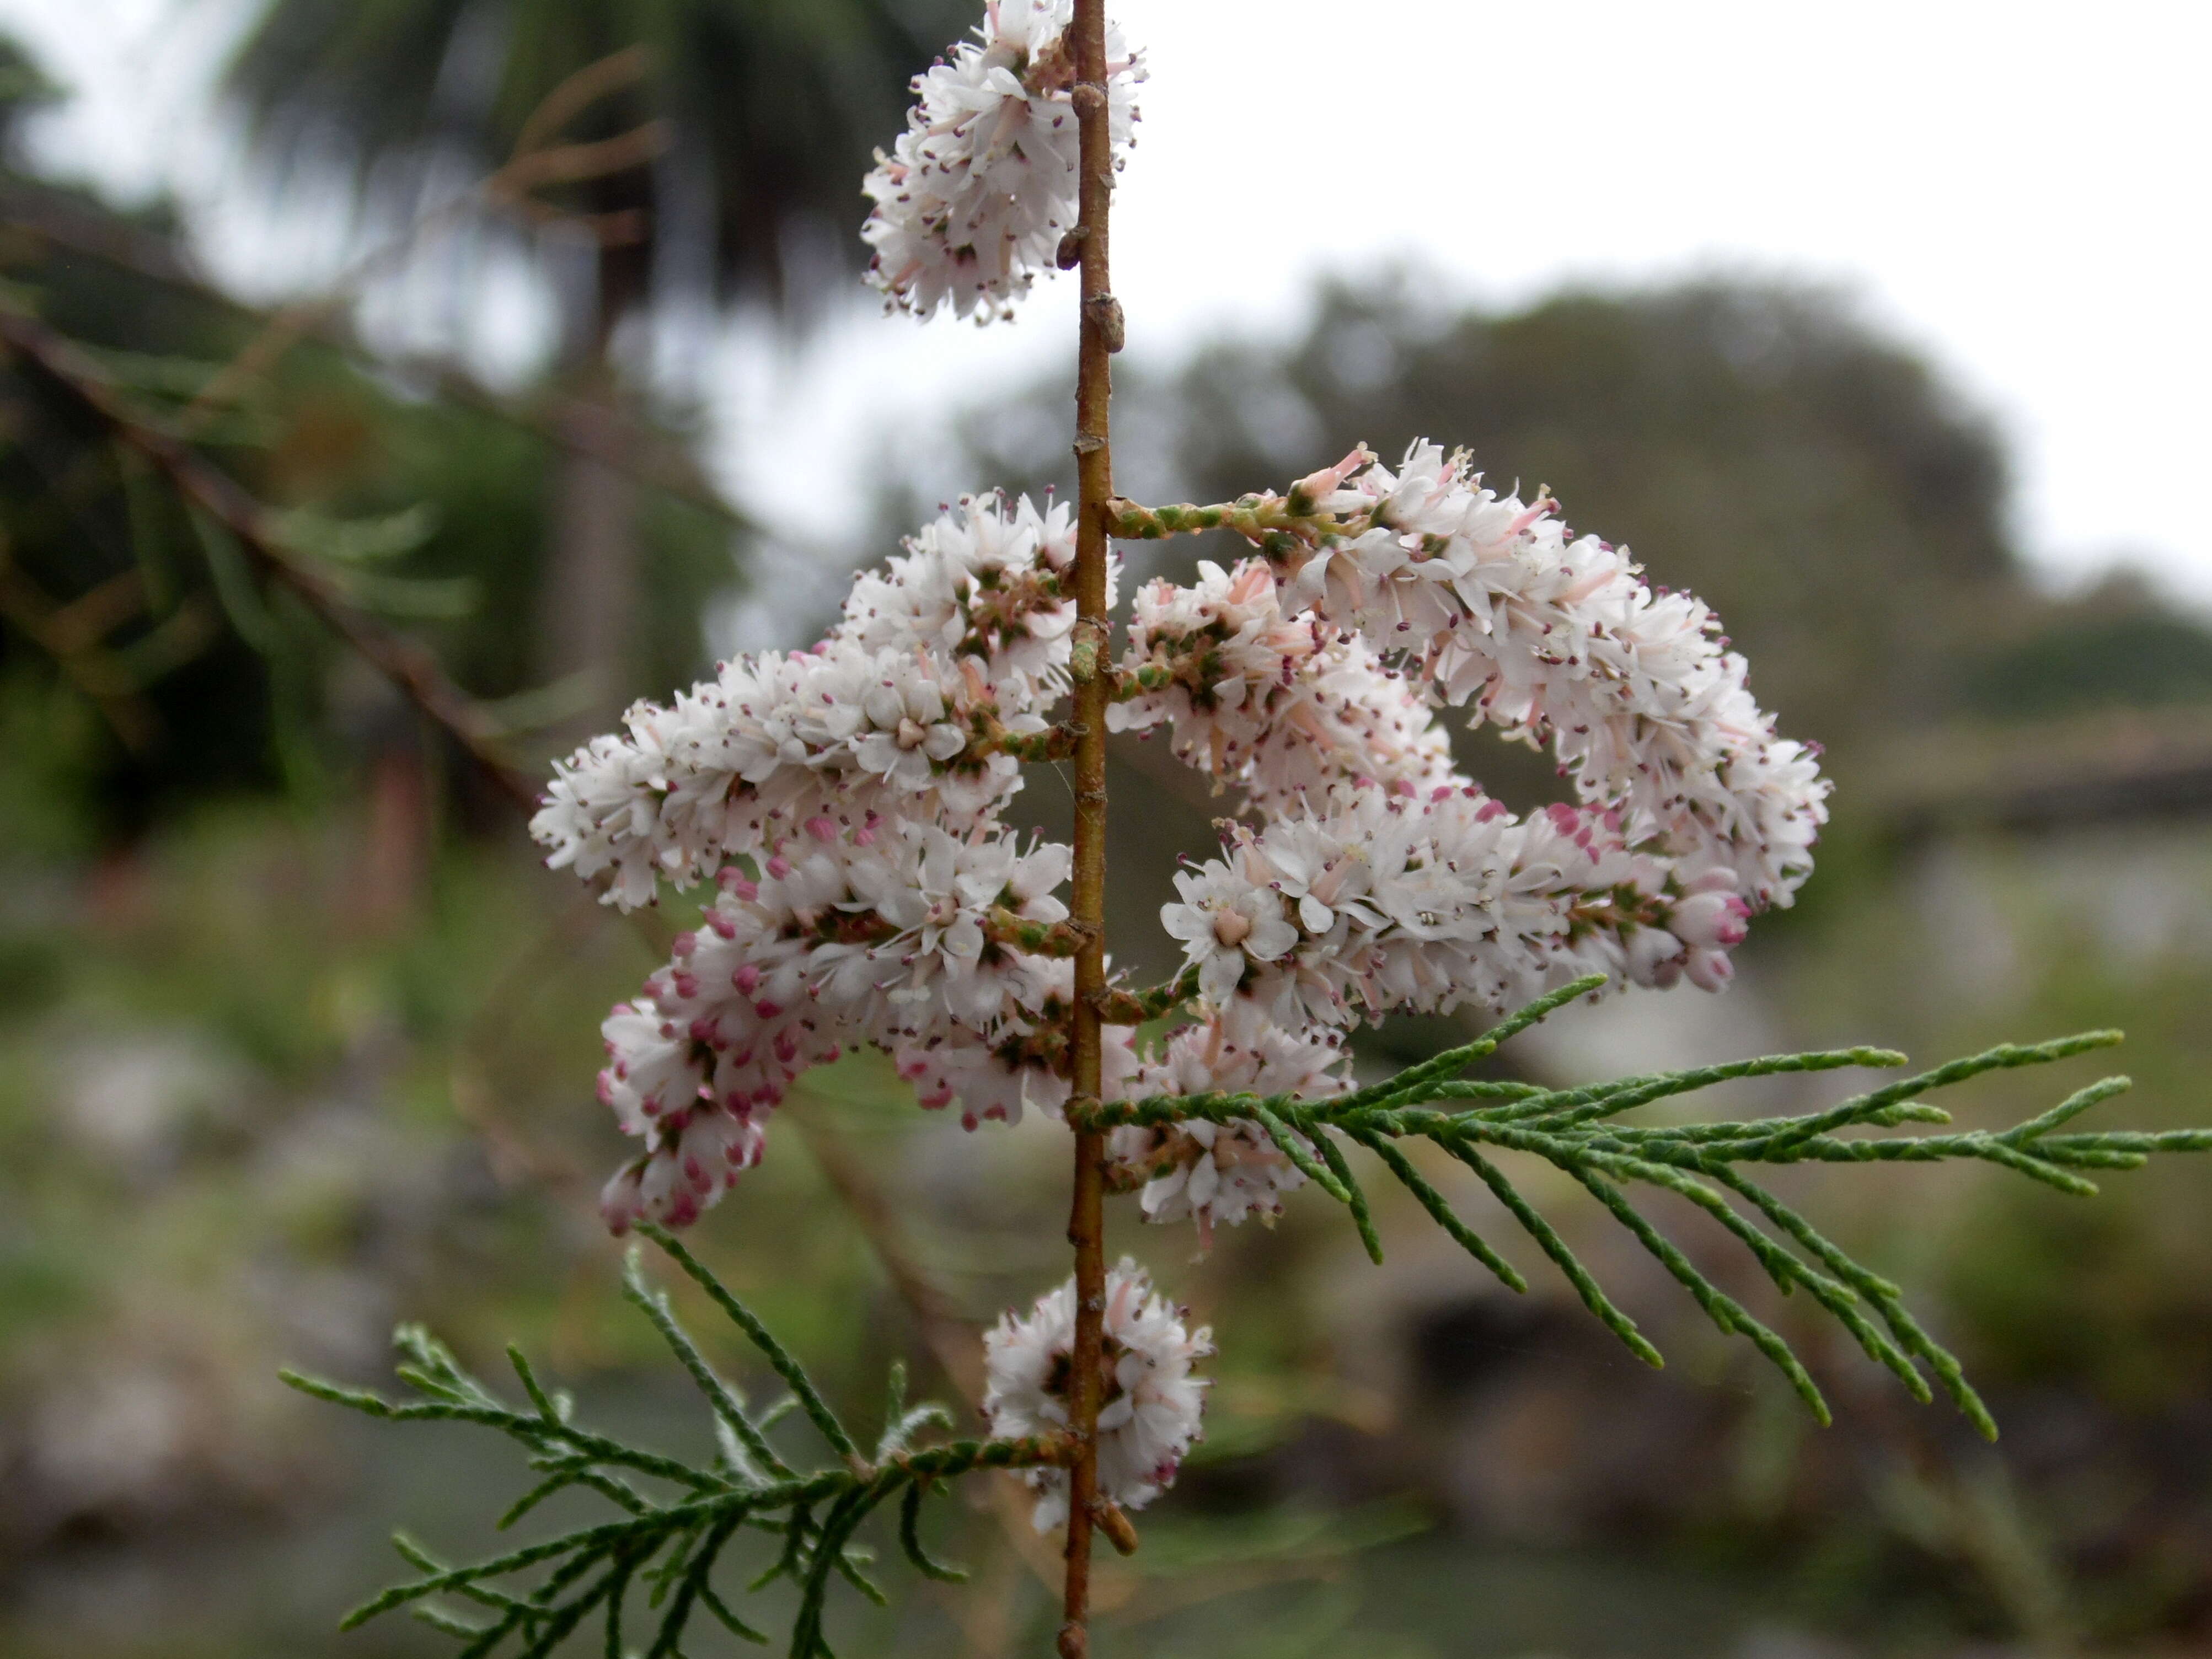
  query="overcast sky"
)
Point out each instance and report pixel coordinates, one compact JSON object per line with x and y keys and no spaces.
{"x":2019,"y":189}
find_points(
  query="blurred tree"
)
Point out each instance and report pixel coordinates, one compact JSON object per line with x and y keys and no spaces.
{"x":132,"y":678}
{"x":25,"y":90}
{"x":2119,"y":645}
{"x":117,"y":683}
{"x":765,"y":110}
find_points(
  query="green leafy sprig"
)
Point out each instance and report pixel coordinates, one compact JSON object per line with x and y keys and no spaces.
{"x":1574,"y":1131}
{"x":673,"y":1521}
{"x":668,"y":1535}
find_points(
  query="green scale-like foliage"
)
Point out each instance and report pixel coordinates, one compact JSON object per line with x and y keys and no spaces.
{"x":672,"y":1522}
{"x":1575,"y":1131}
{"x":669,"y":1535}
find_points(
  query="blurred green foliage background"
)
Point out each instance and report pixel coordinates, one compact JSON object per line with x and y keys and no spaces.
{"x":297,"y":1040}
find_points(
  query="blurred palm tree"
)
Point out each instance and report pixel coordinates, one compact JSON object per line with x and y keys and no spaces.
{"x":763,"y":114}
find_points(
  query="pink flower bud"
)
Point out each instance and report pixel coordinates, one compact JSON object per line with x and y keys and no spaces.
{"x":1709,"y":970}
{"x":1710,"y":921}
{"x":1653,"y":957}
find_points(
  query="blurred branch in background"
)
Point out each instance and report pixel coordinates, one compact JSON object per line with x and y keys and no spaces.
{"x":75,"y":634}
{"x":234,"y":513}
{"x":756,"y":123}
{"x":28,"y":209}
{"x":538,"y":161}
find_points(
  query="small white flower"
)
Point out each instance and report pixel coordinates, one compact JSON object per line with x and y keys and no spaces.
{"x":1224,"y":919}
{"x":1151,"y":1404}
{"x":908,"y":731}
{"x":691,"y":1161}
{"x":652,"y":1065}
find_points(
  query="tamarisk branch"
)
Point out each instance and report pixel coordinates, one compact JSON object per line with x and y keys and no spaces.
{"x":1101,"y":336}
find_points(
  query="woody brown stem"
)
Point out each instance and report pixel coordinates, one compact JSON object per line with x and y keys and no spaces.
{"x":1101,"y":338}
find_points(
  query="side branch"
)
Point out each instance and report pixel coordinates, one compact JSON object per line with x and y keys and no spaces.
{"x":674,"y":1543}
{"x":1138,"y":1007}
{"x":1043,"y":939}
{"x":1256,"y":517}
{"x":1573,"y":1131}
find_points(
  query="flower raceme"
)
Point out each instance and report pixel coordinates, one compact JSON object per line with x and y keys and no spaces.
{"x":1555,"y":638}
{"x":1151,"y":1404}
{"x":845,"y":802}
{"x":1208,"y":1172}
{"x":976,"y":194}
{"x":964,"y":635}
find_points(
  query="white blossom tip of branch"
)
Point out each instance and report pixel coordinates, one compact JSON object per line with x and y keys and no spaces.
{"x":980,"y":191}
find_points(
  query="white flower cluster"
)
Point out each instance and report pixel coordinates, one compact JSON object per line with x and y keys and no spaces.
{"x":1378,"y":879}
{"x":1208,"y":1172}
{"x":1151,"y":1403}
{"x":900,"y":713}
{"x":980,"y":187}
{"x":845,"y":800}
{"x":1283,"y":706}
{"x":1555,"y":638}
{"x":1369,"y":902}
